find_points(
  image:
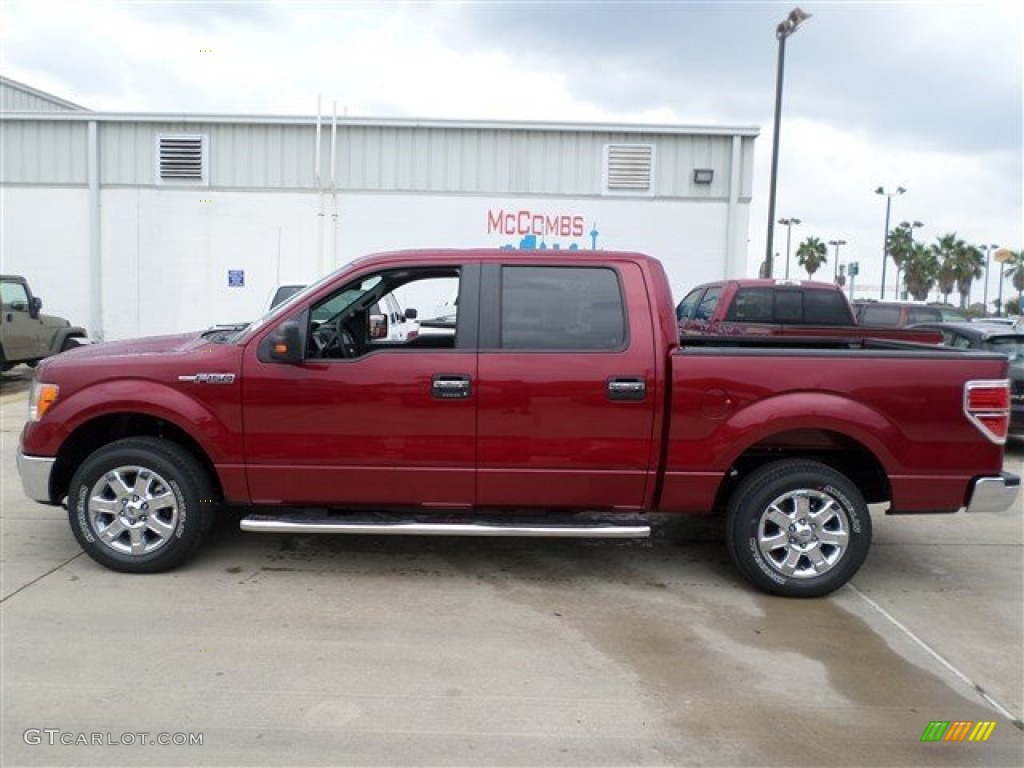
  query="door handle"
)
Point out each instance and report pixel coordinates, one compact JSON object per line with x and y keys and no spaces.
{"x":448,"y":386}
{"x":627,"y":388}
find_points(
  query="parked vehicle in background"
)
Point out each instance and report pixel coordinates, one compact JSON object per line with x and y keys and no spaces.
{"x":993,"y":337}
{"x":1005,"y":322}
{"x":281,"y":294}
{"x":27,"y":335}
{"x":897,"y":314}
{"x":563,"y":405}
{"x":778,"y":308}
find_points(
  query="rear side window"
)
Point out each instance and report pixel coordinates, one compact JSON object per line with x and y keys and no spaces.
{"x":924,"y":315}
{"x":565,"y":308}
{"x":870,"y":315}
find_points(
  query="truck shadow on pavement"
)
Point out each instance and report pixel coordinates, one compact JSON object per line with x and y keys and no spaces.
{"x":16,"y":380}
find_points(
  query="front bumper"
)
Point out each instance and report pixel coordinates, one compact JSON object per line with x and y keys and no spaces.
{"x":994,"y":494}
{"x":35,"y":476}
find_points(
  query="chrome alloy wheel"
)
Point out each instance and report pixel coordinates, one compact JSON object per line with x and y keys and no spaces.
{"x":803,"y":533}
{"x":133,"y":510}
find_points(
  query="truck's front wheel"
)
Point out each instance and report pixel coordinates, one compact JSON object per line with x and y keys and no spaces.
{"x":798,"y":528}
{"x":140,"y":505}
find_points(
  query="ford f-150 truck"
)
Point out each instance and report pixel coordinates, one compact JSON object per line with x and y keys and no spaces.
{"x":781,"y":308}
{"x":562,"y":405}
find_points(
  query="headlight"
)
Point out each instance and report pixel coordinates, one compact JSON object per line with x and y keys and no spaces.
{"x":40,"y":398}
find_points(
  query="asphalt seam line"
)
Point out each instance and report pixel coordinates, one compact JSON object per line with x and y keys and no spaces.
{"x":37,"y":579}
{"x":941,"y":659}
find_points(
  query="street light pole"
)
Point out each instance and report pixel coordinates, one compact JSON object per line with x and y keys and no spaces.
{"x":786,"y":28}
{"x":788,"y":224}
{"x":885,"y":243}
{"x":987,"y":248}
{"x":837,"y":243}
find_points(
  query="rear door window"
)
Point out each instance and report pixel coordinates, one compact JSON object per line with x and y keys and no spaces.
{"x":565,"y":308}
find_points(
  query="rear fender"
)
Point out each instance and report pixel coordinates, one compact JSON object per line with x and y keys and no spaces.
{"x":818,"y":411}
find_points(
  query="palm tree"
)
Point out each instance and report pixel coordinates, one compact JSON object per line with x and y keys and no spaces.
{"x":945,"y":249}
{"x":811,"y":254}
{"x":968,"y":263}
{"x":921,"y":267}
{"x":901,"y":241}
{"x":1016,"y":275}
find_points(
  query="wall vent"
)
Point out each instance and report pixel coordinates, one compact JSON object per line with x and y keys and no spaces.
{"x":181,"y":159}
{"x":629,"y":168}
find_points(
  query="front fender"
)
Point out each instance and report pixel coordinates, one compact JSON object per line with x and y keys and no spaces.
{"x":214,"y":426}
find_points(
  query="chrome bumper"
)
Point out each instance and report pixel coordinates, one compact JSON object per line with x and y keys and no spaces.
{"x":994,"y":494}
{"x":35,"y":476}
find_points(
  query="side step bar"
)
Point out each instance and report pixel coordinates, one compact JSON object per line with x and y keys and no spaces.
{"x":266,"y":524}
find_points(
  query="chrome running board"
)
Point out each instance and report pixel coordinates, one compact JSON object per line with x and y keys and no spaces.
{"x":267,"y":524}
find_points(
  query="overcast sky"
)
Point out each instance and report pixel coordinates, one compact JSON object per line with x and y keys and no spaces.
{"x":926,"y":95}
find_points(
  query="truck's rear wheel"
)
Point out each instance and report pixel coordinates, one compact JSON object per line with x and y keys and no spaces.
{"x":140,"y":505}
{"x":798,"y":528}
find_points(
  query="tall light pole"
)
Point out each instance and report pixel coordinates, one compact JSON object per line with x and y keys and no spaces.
{"x":786,"y":27}
{"x":987,"y":248}
{"x":885,"y":243}
{"x":1002,"y":255}
{"x":910,"y":226}
{"x":788,"y":224}
{"x":837,"y":243}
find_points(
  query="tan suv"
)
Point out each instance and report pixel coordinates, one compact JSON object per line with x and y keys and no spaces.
{"x":27,"y":335}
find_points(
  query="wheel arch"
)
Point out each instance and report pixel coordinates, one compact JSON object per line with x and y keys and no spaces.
{"x":831,"y":447}
{"x":105,"y":429}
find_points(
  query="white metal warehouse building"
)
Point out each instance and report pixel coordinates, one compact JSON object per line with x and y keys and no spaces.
{"x":137,"y":224}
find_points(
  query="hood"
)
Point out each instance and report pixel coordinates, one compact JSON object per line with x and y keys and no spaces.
{"x":136,"y":348}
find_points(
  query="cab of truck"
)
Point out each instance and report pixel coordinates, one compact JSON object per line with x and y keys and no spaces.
{"x":767,"y":302}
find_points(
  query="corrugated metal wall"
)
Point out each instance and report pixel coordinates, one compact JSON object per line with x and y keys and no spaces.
{"x":16,"y":98}
{"x":385,"y":158}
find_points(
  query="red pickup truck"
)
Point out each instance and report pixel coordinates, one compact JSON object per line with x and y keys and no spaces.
{"x":781,"y":308}
{"x":563,"y":405}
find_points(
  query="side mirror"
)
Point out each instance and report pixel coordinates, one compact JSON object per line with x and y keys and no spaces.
{"x":378,"y":326}
{"x":411,"y":314}
{"x":35,"y":305}
{"x":286,"y":344}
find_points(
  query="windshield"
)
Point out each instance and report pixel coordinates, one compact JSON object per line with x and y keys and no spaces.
{"x":1011,"y":346}
{"x":287,"y":303}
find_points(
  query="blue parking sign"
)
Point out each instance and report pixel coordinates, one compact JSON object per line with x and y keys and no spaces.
{"x":236,"y":278}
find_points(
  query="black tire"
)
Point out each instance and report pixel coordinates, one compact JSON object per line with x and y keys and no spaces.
{"x":70,"y":343}
{"x":155,"y":524}
{"x":798,"y":528}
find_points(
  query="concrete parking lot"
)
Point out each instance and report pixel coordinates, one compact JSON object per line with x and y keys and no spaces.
{"x":288,"y":650}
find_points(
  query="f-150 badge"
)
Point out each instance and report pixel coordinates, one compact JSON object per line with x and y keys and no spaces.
{"x":209,"y":378}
